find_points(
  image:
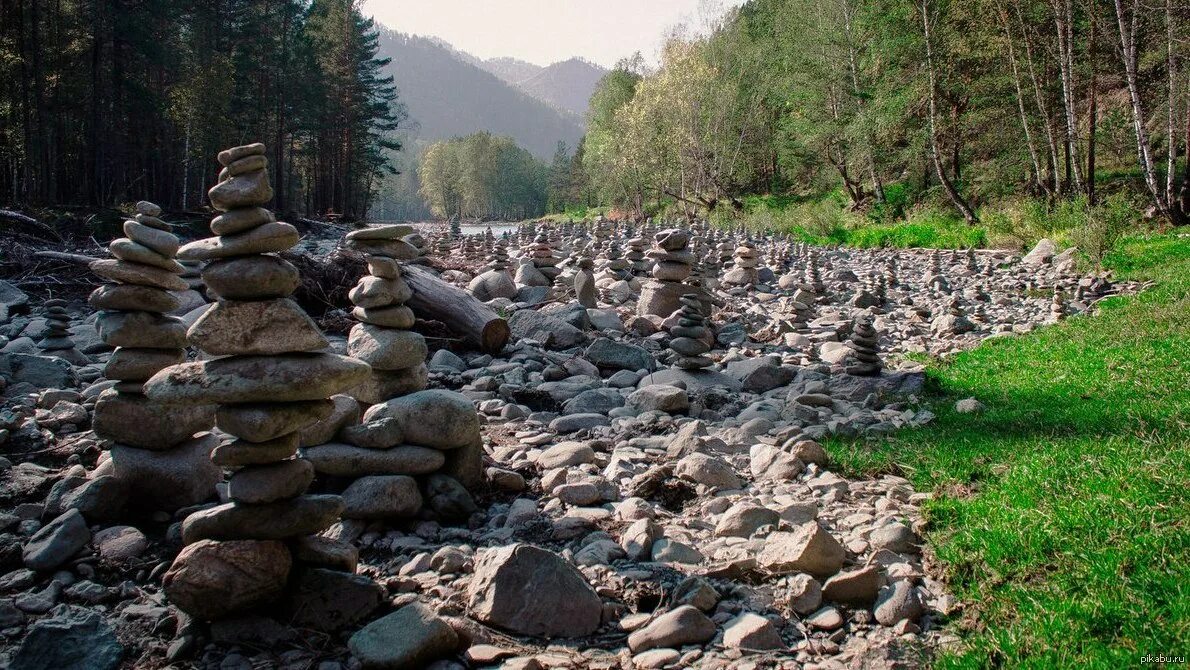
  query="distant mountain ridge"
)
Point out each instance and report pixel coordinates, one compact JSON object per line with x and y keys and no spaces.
{"x":511,"y":70}
{"x":448,"y":94}
{"x":567,"y":85}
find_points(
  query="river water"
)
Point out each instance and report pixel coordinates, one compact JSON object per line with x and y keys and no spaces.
{"x":498,"y":227}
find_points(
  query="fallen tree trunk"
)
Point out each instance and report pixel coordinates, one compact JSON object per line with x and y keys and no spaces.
{"x":63,"y":256}
{"x":8,"y":215}
{"x":460,"y":311}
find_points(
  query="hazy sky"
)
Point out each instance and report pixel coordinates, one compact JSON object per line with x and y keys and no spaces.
{"x":546,"y":31}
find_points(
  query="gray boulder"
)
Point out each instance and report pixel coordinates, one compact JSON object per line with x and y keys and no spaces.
{"x":72,"y":637}
{"x":531,"y":591}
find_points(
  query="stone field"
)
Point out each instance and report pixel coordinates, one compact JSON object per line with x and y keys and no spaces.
{"x":581,"y":445}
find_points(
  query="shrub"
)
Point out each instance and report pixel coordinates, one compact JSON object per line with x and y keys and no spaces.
{"x":1102,"y":228}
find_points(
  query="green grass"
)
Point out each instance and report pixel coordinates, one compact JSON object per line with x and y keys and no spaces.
{"x":1062,"y":514}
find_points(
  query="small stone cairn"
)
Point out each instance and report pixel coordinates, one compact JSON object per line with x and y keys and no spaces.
{"x":56,"y":341}
{"x":636,"y":256}
{"x":383,"y":340}
{"x":154,"y":452}
{"x":418,"y":451}
{"x":584,"y":283}
{"x":494,"y":282}
{"x":691,"y":335}
{"x":1058,"y":305}
{"x":865,"y":344}
{"x":269,"y":380}
{"x":673,"y":264}
{"x":542,"y":253}
{"x":615,"y":265}
{"x":745,"y":261}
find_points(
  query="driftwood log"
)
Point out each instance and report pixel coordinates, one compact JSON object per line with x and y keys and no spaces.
{"x":65,"y":257}
{"x":460,"y":311}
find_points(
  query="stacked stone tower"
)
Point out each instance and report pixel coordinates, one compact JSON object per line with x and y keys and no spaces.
{"x":154,"y":451}
{"x":542,"y":254}
{"x":636,"y":256}
{"x":383,"y":340}
{"x":743,"y":271}
{"x":690,"y":335}
{"x":269,"y":381}
{"x":865,"y":344}
{"x":673,"y":264}
{"x":56,"y":341}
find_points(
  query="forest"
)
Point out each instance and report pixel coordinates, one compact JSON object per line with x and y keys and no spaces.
{"x":886,"y":105}
{"x":106,"y":102}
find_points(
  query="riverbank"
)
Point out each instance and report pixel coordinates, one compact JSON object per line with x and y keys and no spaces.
{"x":1060,"y":511}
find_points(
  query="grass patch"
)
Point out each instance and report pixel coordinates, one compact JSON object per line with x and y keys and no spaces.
{"x":1071,"y":539}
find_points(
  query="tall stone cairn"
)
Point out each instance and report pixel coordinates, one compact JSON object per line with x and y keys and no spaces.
{"x":269,"y":381}
{"x":154,"y":451}
{"x":691,"y":335}
{"x":673,"y":264}
{"x":383,"y":340}
{"x":865,"y":344}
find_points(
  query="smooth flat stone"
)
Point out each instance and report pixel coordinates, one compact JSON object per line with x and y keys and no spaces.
{"x":251,"y":189}
{"x":130,"y":297}
{"x":398,"y":249}
{"x":386,"y":348}
{"x":260,"y":422}
{"x":382,"y":385}
{"x":252,"y":278}
{"x":385,"y":268}
{"x":268,"y":238}
{"x":229,"y":156}
{"x":153,"y":222}
{"x":126,"y":272}
{"x":284,"y":378}
{"x":134,"y":252}
{"x":166,"y":479}
{"x":242,"y":452}
{"x":133,"y":419}
{"x":258,"y":484}
{"x":246,"y":164}
{"x":137,"y":364}
{"x":141,"y":329}
{"x":304,"y":515}
{"x":390,"y":317}
{"x":162,"y":242}
{"x":233,"y":327}
{"x":239,"y":220}
{"x":148,"y":208}
{"x":347,"y":460}
{"x":379,"y":292}
{"x":389,"y":232}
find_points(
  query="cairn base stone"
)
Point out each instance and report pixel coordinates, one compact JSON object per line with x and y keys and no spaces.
{"x":210,"y":580}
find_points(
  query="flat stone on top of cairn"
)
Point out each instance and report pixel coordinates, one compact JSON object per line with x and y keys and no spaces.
{"x":388,"y":241}
{"x":269,"y":384}
{"x":154,"y":452}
